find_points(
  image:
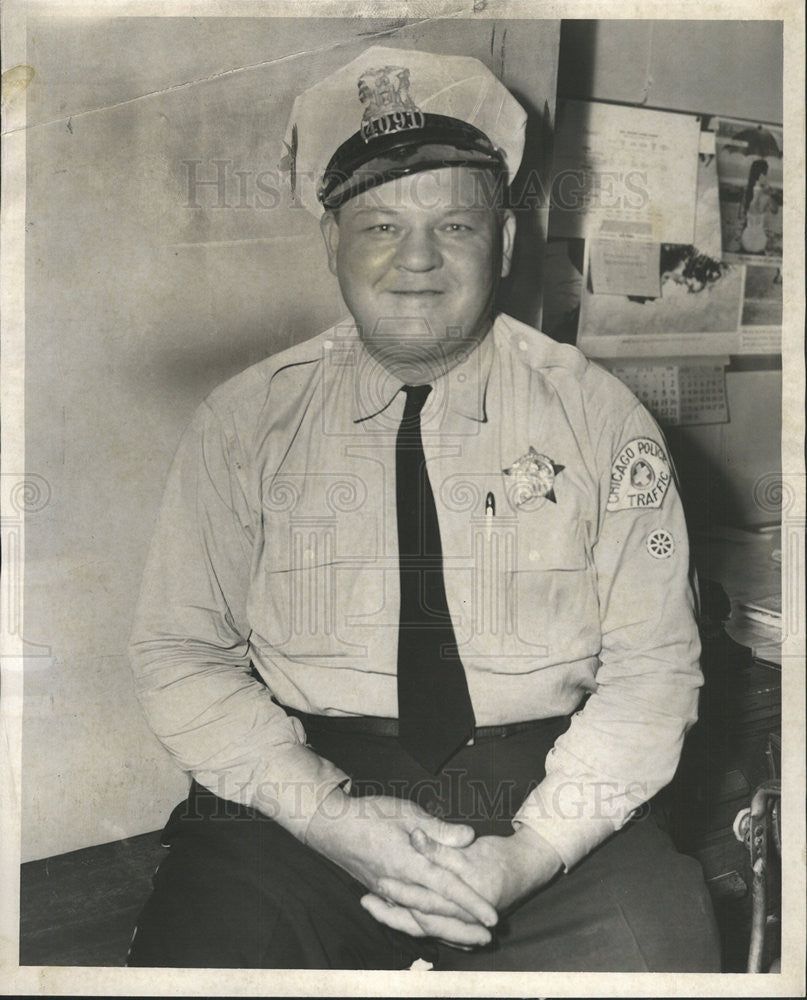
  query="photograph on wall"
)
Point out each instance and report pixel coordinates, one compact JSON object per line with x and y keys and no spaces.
{"x":761,"y":317}
{"x":762,"y":296}
{"x":750,"y":171}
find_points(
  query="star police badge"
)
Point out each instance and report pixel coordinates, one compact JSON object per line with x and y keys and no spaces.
{"x":388,"y":106}
{"x":532,"y":477}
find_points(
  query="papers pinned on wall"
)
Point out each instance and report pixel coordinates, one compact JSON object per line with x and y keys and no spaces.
{"x":679,"y":393}
{"x":619,"y":267}
{"x":697,"y":310}
{"x":624,"y":173}
{"x":681,"y":229}
{"x":700,"y":304}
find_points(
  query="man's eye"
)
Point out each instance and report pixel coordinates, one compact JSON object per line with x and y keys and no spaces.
{"x":457,"y":227}
{"x":381,"y":227}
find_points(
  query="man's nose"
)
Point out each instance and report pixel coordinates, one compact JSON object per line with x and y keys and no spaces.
{"x":418,"y":251}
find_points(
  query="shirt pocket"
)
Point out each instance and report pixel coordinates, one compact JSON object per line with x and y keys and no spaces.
{"x":553,"y":593}
{"x":314,"y":578}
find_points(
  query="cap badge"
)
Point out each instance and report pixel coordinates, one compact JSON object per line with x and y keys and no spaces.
{"x":532,"y":477}
{"x":388,"y":106}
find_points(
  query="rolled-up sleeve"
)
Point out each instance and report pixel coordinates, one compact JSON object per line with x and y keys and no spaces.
{"x":624,"y":744}
{"x":190,"y":649}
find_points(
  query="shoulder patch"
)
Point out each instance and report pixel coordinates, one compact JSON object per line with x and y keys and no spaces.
{"x":640,"y":476}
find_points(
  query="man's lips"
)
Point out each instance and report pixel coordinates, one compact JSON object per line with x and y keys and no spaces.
{"x":416,"y":291}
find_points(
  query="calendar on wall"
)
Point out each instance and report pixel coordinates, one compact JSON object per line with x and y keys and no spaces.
{"x":703,"y":394}
{"x":679,"y":394}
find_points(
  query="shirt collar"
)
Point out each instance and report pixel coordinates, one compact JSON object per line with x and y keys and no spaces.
{"x":465,"y":385}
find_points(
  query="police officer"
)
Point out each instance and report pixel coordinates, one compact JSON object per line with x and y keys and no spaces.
{"x":417,"y":617}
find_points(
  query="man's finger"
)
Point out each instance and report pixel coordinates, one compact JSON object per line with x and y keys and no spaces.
{"x":437,"y":877}
{"x":454,"y":932}
{"x":396,"y":917}
{"x":437,"y":853}
{"x":450,"y":834}
{"x":418,"y":897}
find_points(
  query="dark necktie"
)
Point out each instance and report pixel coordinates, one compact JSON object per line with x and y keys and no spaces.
{"x":434,"y":707}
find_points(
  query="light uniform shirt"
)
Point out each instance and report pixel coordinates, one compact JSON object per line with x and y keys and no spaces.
{"x":277,"y":546}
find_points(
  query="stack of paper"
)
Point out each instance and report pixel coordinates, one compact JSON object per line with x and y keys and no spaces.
{"x":766,"y":611}
{"x":757,"y":623}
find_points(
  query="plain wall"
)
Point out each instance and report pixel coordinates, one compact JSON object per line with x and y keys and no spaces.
{"x":137,"y":305}
{"x":729,"y":68}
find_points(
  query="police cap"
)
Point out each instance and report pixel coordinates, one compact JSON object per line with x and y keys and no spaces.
{"x":393,"y":112}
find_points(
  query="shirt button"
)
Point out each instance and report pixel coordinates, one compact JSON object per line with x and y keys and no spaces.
{"x":535,"y":555}
{"x":522,"y":345}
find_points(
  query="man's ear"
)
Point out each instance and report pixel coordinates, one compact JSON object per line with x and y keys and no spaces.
{"x":508,"y":239}
{"x":330,"y":233}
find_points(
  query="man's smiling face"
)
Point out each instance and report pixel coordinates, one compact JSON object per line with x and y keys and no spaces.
{"x":418,"y":261}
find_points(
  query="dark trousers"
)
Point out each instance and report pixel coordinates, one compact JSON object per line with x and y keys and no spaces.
{"x":238,"y":891}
